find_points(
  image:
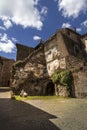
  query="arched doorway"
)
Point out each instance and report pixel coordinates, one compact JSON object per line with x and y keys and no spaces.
{"x":50,"y":89}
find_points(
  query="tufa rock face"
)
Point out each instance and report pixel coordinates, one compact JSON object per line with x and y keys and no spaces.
{"x":31,"y":75}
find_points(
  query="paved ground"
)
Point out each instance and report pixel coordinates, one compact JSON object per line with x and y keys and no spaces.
{"x":4,"y":92}
{"x":71,"y":114}
{"x":48,"y":114}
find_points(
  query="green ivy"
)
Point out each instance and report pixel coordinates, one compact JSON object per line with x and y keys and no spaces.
{"x":64,"y":78}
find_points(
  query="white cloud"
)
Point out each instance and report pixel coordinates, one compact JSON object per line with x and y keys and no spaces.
{"x":84,"y":23}
{"x":2,"y":28}
{"x":21,"y":12}
{"x":66,"y":25}
{"x":72,"y":7}
{"x":78,"y":29}
{"x":36,"y":1}
{"x":6,"y":44}
{"x":14,"y":39}
{"x":7,"y":24}
{"x":44,"y":10}
{"x":36,"y":38}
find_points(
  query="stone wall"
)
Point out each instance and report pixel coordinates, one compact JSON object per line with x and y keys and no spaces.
{"x":75,"y":47}
{"x":74,"y":63}
{"x":72,"y":34}
{"x":23,"y":51}
{"x":84,"y":37}
{"x":80,"y":84}
{"x":5,"y":71}
{"x":61,"y":91}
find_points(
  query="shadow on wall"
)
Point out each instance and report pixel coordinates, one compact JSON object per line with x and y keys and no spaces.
{"x":17,"y":115}
{"x":50,"y":89}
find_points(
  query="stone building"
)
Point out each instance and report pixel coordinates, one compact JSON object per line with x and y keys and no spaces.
{"x":66,"y":49}
{"x":23,"y":51}
{"x":5,"y":71}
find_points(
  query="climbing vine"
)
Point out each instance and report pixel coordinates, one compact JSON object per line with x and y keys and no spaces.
{"x":64,"y":78}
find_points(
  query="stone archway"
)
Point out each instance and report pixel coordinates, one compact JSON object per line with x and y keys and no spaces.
{"x":50,"y":89}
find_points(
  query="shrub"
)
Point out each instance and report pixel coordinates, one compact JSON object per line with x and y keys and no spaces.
{"x":64,"y":78}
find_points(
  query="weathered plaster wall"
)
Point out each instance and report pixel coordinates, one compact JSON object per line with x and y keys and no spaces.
{"x":55,"y":57}
{"x":84,"y":41}
{"x":86,"y":46}
{"x":63,"y":50}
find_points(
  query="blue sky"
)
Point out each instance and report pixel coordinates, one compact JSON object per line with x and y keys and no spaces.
{"x":28,"y":21}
